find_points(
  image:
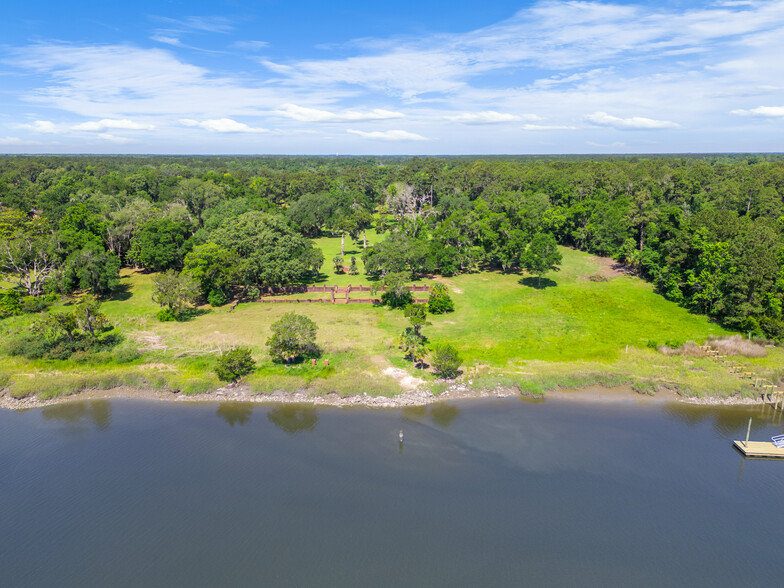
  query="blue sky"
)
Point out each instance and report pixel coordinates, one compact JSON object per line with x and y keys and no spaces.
{"x":392,"y":78}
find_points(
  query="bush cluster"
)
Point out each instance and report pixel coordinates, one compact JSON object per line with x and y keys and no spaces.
{"x":234,"y":364}
{"x":440,"y":301}
{"x":446,"y":360}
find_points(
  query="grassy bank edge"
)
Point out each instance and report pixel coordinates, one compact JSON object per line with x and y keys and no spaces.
{"x":692,"y":382}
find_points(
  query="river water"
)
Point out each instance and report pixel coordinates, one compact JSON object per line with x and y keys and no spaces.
{"x":481,"y":493}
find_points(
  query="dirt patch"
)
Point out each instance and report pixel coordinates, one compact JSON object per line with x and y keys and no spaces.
{"x":148,"y":341}
{"x":608,"y":268}
{"x":406,"y":381}
{"x":618,"y":394}
{"x":447,"y":283}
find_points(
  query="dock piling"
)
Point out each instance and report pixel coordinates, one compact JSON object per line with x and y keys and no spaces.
{"x":748,"y":432}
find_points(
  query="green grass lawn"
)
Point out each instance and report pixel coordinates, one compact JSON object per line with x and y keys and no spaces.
{"x":570,"y":333}
{"x":500,"y":319}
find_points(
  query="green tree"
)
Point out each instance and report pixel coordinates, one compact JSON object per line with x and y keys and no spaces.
{"x":417,"y":316}
{"x":293,"y":337}
{"x":55,"y":325}
{"x":337,"y":261}
{"x":197,"y":196}
{"x":234,"y":364}
{"x":80,"y":228}
{"x":396,"y":292}
{"x":214,"y":268}
{"x":413,"y":344}
{"x":439,"y":301}
{"x":270,"y":252}
{"x":160,"y":244}
{"x":542,"y":256}
{"x":29,"y":260}
{"x":312,"y":212}
{"x":92,"y":269}
{"x":446,"y":360}
{"x":412,"y":341}
{"x":125,"y":222}
{"x":175,"y":292}
{"x":89,"y":318}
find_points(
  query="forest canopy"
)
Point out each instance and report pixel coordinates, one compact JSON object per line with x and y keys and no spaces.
{"x":708,"y":231}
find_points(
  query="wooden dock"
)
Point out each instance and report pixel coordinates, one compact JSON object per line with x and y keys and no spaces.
{"x":759,"y":449}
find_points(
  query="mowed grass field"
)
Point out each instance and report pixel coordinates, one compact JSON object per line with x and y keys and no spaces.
{"x":571,"y":332}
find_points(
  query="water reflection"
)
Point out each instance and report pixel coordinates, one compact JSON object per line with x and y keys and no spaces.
{"x":79,"y":415}
{"x":441,"y":413}
{"x":293,"y":418}
{"x":725,"y":420}
{"x":235,"y":413}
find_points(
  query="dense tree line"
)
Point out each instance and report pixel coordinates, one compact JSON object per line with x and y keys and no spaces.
{"x":708,"y":231}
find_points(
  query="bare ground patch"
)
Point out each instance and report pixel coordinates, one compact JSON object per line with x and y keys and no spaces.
{"x":609,"y":268}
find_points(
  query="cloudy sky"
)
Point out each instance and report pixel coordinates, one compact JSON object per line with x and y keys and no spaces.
{"x":404,"y":77}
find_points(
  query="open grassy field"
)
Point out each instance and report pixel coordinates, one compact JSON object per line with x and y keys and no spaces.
{"x":572,"y":332}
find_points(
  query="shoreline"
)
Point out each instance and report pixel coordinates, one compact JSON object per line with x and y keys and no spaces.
{"x":417,"y":397}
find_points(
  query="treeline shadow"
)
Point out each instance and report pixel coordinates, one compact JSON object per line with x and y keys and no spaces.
{"x":533,"y":282}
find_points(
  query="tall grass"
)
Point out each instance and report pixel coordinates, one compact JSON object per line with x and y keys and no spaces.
{"x":737,"y":345}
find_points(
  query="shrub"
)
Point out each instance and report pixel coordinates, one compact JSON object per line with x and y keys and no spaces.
{"x":440,"y":301}
{"x":166,"y":315}
{"x":446,"y":360}
{"x":216,"y":298}
{"x":31,"y":304}
{"x":28,"y":346}
{"x":337,"y":261}
{"x":10,"y":303}
{"x":397,"y":299}
{"x":126,"y":354}
{"x":396,"y":293}
{"x":234,"y":364}
{"x":293,"y":337}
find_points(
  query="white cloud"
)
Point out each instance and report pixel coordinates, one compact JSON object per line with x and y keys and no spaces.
{"x":108,"y":123}
{"x":119,"y":81}
{"x":251,"y":45}
{"x":764,"y":111}
{"x":10,"y":141}
{"x":488,"y":117}
{"x":548,"y":128}
{"x":304,"y":114}
{"x":167,"y":40}
{"x":558,"y":59}
{"x":222,"y":125}
{"x":395,"y":135}
{"x":41,"y":126}
{"x":634,"y":122}
{"x":615,"y":145}
{"x":114,"y":138}
{"x":206,"y":24}
{"x":549,"y":35}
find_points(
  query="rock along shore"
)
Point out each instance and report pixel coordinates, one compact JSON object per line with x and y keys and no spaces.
{"x":417,"y":397}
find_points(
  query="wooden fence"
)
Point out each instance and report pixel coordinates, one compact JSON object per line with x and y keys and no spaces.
{"x":333,"y":290}
{"x":283,"y":290}
{"x":330,"y":301}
